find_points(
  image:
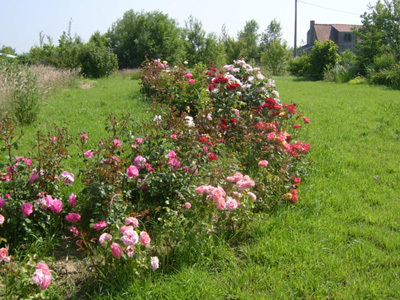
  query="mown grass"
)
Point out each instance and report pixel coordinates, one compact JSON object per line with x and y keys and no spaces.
{"x":340,"y":241}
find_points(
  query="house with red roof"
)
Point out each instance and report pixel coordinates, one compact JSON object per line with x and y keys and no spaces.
{"x":342,"y":34}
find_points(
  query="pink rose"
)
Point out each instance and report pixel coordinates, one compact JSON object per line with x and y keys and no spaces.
{"x":56,"y":206}
{"x":42,"y":276}
{"x":245,"y":183}
{"x":3,"y":255}
{"x":27,"y":209}
{"x":297,"y":180}
{"x":271,"y":136}
{"x":89,"y":154}
{"x":74,"y":231}
{"x":84,"y":137}
{"x":218,"y":193}
{"x":200,"y":189}
{"x":117,"y":143}
{"x":1,"y":219}
{"x":231,"y":179}
{"x":191,"y":81}
{"x":149,"y":167}
{"x":263,"y":163}
{"x":296,"y":126}
{"x":306,"y":120}
{"x":130,"y":237}
{"x":68,"y":178}
{"x":141,"y":184}
{"x":116,"y":250}
{"x":236,"y":194}
{"x":144,"y":238}
{"x":132,"y":221}
{"x":132,"y":172}
{"x":72,"y":199}
{"x":221,"y":204}
{"x":252,"y":196}
{"x":100,"y":225}
{"x":130,"y":251}
{"x":231,"y":204}
{"x":125,"y":228}
{"x":171,"y":154}
{"x":173,"y":136}
{"x":188,"y":205}
{"x":105,"y":237}
{"x":140,"y":162}
{"x":53,"y":139}
{"x":174,"y":162}
{"x":73,"y":217}
{"x":2,"y":201}
{"x":139,"y":140}
{"x":154,"y":263}
{"x":189,"y":75}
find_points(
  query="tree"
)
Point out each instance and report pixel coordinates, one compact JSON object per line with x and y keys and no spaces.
{"x":7,"y":50}
{"x":233,"y":48}
{"x":138,"y":36}
{"x":271,"y":34}
{"x":276,"y":57}
{"x":380,"y":33}
{"x":250,"y":37}
{"x":201,"y":47}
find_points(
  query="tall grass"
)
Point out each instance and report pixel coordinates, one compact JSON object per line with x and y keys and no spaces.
{"x":50,"y":79}
{"x":22,"y":87}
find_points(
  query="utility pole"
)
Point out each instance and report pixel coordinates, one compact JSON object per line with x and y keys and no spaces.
{"x":295,"y":29}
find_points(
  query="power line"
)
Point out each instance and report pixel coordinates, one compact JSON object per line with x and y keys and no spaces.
{"x":328,"y":8}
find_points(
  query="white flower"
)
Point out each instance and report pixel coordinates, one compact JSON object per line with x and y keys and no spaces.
{"x":271,"y":83}
{"x":189,"y":122}
{"x":276,"y":94}
{"x":260,"y":76}
{"x":157,"y":119}
{"x":228,"y":67}
{"x":154,"y":262}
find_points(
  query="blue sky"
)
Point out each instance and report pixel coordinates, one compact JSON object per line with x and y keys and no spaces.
{"x":22,"y":20}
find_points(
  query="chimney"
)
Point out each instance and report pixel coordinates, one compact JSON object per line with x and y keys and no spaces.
{"x":312,"y":23}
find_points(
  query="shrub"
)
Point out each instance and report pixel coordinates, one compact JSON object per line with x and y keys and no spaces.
{"x":345,"y":70}
{"x":96,"y":61}
{"x":358,"y":80}
{"x":323,"y":57}
{"x":299,"y":66}
{"x":389,"y":77}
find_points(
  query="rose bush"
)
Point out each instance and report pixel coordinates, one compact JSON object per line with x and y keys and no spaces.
{"x":221,"y":147}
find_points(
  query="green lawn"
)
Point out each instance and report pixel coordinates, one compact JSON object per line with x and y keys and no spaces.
{"x":340,"y":241}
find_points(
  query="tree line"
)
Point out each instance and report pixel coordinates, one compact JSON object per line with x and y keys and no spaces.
{"x":138,"y":36}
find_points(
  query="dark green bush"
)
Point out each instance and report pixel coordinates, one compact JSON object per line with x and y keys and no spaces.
{"x":323,"y":57}
{"x":97,"y":62}
{"x":388,"y":77}
{"x":299,"y":66}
